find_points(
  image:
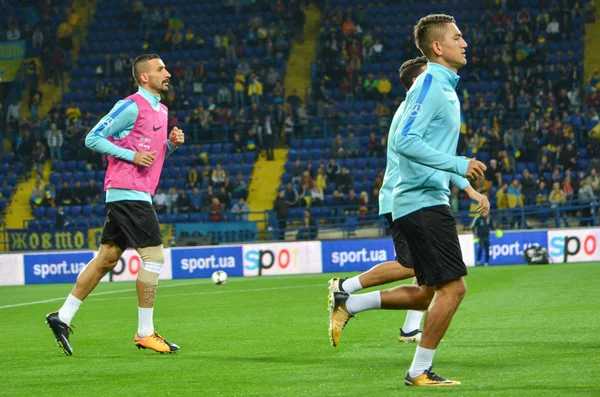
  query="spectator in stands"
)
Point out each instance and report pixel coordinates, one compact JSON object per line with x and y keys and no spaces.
{"x":241,"y":210}
{"x":557,"y":199}
{"x":73,"y":112}
{"x":351,"y":203}
{"x":291,"y":195}
{"x":239,"y":145}
{"x":294,"y":100}
{"x":370,"y":87}
{"x":255,"y":90}
{"x":239,"y":187}
{"x":60,"y":220}
{"x":160,"y":201}
{"x":224,"y":195}
{"x":333,"y":170}
{"x":529,"y":188}
{"x":195,"y":200}
{"x":374,"y":148}
{"x":587,"y":197}
{"x":13,"y":116}
{"x":224,"y":96}
{"x":268,"y":139}
{"x":39,"y":158}
{"x":567,"y":188}
{"x":344,"y":180}
{"x":49,"y":196}
{"x":384,"y":86}
{"x":570,"y":157}
{"x":78,"y":194}
{"x":218,"y":176}
{"x":183,"y":202}
{"x":252,"y":141}
{"x":310,"y":229}
{"x":352,"y":146}
{"x":171,"y":202}
{"x":13,"y":33}
{"x":383,"y":113}
{"x":594,"y":164}
{"x":303,"y":120}
{"x":215,"y":210}
{"x":92,"y":192}
{"x":507,"y":162}
{"x":206,"y":177}
{"x":239,"y":88}
{"x":208,"y":196}
{"x":541,"y":193}
{"x":322,"y":99}
{"x":338,"y":148}
{"x":297,"y":171}
{"x":55,"y":142}
{"x":64,"y":196}
{"x":281,"y":209}
{"x":493,"y":174}
{"x":594,"y":181}
{"x":377,"y":52}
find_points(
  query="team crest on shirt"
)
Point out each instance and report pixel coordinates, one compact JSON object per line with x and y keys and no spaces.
{"x":416,"y":110}
{"x":144,"y":143}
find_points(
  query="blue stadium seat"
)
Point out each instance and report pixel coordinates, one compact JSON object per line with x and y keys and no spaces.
{"x":7,"y":192}
{"x":182,"y":218}
{"x":195,"y":217}
{"x":45,"y":224}
{"x":87,"y":211}
{"x":54,"y":178}
{"x":38,"y":212}
{"x":50,"y":213}
{"x":250,"y":157}
{"x":59,"y":166}
{"x":12,"y":180}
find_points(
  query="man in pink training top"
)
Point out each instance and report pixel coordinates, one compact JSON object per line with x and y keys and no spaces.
{"x":134,"y":136}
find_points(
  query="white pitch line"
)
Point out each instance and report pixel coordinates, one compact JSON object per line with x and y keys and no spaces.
{"x":91,"y":295}
{"x":161,"y":295}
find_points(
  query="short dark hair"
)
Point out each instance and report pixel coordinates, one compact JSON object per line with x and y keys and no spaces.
{"x":135,"y":69}
{"x":428,"y":29}
{"x":410,"y":70}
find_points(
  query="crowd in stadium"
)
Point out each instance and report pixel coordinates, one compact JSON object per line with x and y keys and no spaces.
{"x":527,"y":112}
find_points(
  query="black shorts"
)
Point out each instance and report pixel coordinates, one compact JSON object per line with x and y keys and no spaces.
{"x":432,"y":237}
{"x":131,"y":224}
{"x":403,"y":255}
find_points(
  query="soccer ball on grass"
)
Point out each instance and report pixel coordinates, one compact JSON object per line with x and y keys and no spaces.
{"x":219,"y":277}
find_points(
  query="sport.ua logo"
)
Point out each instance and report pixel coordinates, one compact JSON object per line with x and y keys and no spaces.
{"x":416,"y":110}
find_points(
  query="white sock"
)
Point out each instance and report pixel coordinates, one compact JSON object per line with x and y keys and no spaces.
{"x":145,"y":324}
{"x":351,"y":285}
{"x":68,"y":309}
{"x":360,"y":303}
{"x":421,"y":362}
{"x":413,"y":321}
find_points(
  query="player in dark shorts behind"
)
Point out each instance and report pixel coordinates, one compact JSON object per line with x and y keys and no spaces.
{"x":425,"y":140}
{"x":402,"y":267}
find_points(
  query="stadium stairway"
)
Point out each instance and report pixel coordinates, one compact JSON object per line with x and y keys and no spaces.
{"x":265,"y":180}
{"x":297,"y":74}
{"x":19,"y":209}
{"x":591,"y":60}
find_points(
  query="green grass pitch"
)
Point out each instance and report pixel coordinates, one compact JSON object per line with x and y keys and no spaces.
{"x":521,"y":331}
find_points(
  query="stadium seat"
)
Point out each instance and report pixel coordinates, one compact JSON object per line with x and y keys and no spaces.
{"x":50,"y":213}
{"x":38,"y":212}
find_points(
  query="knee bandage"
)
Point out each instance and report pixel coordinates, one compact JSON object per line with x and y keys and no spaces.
{"x":152,"y":261}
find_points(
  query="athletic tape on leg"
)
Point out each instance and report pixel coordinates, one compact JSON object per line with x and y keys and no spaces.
{"x":152,"y":261}
{"x":152,"y":254}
